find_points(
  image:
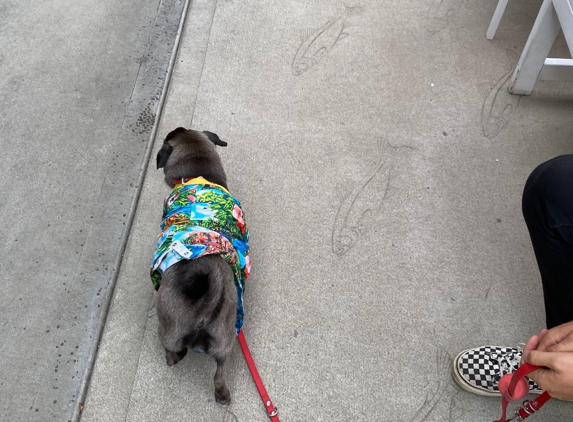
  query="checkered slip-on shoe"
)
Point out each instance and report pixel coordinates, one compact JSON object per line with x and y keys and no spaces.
{"x":479,"y":370}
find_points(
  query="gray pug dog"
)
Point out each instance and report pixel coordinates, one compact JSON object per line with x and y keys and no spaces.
{"x":197,"y":298}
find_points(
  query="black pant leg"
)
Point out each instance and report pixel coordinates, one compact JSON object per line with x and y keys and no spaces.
{"x":548,"y":211}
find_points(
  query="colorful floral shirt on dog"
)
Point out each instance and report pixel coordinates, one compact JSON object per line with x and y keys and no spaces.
{"x":202,"y":218}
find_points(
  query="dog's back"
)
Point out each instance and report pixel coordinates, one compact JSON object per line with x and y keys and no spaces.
{"x":199,"y":298}
{"x":196,"y":306}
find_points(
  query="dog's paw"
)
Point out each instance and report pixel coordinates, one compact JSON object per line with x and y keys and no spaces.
{"x":222,"y":396}
{"x":173,"y":357}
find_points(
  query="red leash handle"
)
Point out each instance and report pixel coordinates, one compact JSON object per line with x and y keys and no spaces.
{"x":514,"y":387}
{"x":272,"y":411}
{"x":522,"y":371}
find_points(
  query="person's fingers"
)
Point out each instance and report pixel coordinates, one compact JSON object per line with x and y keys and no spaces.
{"x":530,"y":345}
{"x":555,"y":335}
{"x":539,"y":358}
{"x":549,"y":339}
{"x":542,"y":377}
{"x":565,"y":345}
{"x":556,"y":373}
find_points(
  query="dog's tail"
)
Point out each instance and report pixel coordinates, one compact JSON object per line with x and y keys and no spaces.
{"x":206,"y":282}
{"x":205,"y":288}
{"x":196,"y":301}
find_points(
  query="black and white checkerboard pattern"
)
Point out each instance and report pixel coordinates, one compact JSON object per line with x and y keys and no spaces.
{"x":480,"y":367}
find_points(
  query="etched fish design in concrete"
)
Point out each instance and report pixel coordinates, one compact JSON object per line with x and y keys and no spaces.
{"x":498,"y":104}
{"x":441,"y":403}
{"x":351,"y":214}
{"x":441,"y":13}
{"x":316,"y":44}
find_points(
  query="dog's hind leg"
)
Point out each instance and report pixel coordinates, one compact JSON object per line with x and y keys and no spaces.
{"x":173,"y":357}
{"x":222,"y":394}
{"x":175,"y":348}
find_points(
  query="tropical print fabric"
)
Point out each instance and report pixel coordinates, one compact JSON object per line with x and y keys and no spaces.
{"x":202,"y":218}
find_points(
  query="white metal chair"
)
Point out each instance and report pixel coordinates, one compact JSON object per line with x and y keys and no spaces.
{"x":501,"y":4}
{"x":533,"y":63}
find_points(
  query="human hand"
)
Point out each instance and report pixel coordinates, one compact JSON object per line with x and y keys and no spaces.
{"x":556,"y":374}
{"x":532,"y":344}
{"x":558,"y":339}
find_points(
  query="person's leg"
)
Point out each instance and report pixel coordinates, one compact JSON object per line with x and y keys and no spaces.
{"x":548,"y":211}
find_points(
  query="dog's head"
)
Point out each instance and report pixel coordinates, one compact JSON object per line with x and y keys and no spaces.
{"x":189,"y":153}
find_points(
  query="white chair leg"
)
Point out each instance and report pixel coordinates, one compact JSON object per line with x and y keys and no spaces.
{"x":536,"y":49}
{"x":564,"y":9}
{"x":501,"y":4}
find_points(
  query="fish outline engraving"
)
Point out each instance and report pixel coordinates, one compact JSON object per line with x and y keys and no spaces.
{"x":344,"y":235}
{"x":229,"y":416}
{"x":456,"y":411}
{"x":318,"y":43}
{"x":498,"y":105}
{"x":443,"y":392}
{"x":441,"y":12}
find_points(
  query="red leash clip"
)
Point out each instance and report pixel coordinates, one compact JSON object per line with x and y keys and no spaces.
{"x":515,"y":387}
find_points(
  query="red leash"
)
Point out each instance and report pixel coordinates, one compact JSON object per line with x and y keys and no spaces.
{"x":514,"y":387}
{"x":529,"y":407}
{"x":271,"y":409}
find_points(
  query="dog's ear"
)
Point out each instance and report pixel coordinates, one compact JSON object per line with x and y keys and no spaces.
{"x":174,"y":133}
{"x":215,"y":139}
{"x":163,"y":155}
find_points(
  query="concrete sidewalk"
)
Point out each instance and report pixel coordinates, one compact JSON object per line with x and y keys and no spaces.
{"x":382,"y":190}
{"x":80,"y":88}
